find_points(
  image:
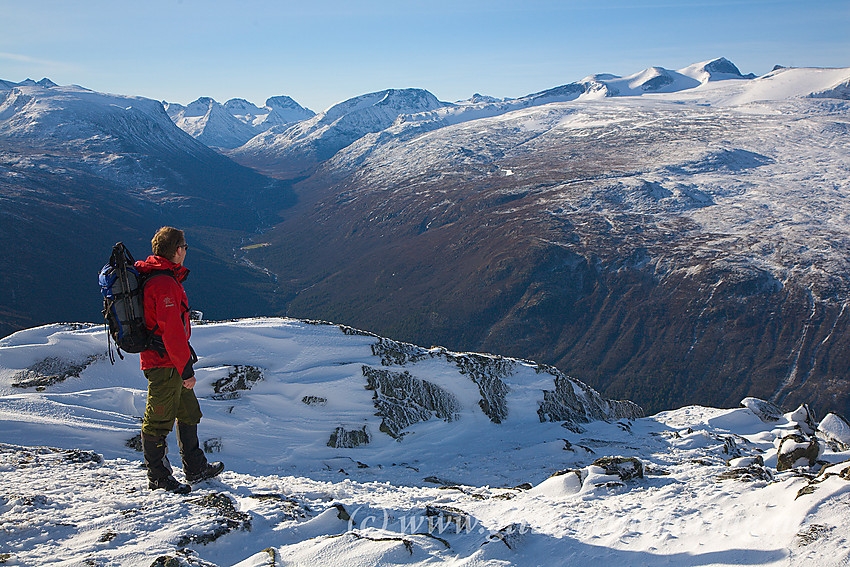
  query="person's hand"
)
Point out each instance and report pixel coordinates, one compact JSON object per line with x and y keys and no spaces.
{"x":190,"y":383}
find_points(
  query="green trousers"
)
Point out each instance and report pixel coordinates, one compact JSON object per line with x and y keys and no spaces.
{"x":168,"y":400}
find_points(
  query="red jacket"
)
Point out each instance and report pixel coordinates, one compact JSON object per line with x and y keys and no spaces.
{"x":167,"y":311}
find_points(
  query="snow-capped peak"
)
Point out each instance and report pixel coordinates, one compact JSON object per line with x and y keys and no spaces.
{"x":713,"y":70}
{"x":45,"y":82}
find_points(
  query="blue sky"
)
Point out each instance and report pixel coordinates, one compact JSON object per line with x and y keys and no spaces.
{"x":324,"y":51}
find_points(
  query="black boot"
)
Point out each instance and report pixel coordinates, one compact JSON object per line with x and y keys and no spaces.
{"x":155,"y":450}
{"x":195,"y":465}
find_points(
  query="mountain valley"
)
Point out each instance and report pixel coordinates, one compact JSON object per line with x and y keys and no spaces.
{"x":672,"y":237}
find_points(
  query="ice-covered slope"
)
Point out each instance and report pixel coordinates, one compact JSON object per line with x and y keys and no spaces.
{"x":346,"y":448}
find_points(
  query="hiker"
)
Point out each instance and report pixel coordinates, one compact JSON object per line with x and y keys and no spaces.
{"x":168,"y":367}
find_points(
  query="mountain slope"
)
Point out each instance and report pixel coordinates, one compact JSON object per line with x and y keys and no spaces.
{"x":230,"y":125}
{"x":659,"y":248}
{"x":691,"y":486}
{"x":212,"y":124}
{"x":82,"y":170}
{"x":299,"y":149}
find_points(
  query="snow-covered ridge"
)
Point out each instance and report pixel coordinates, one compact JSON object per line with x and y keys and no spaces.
{"x":233,"y":123}
{"x":452,"y":486}
{"x":306,"y":144}
{"x":503,"y":391}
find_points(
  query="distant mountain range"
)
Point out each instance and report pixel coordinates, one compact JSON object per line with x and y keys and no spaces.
{"x":233,"y":123}
{"x":669,"y":237}
{"x":81,"y":170}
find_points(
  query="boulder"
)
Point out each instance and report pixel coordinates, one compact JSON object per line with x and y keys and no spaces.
{"x":803,"y":418}
{"x":765,"y":411}
{"x":797,"y":450}
{"x":835,"y":431}
{"x":746,"y":469}
{"x":626,"y":468}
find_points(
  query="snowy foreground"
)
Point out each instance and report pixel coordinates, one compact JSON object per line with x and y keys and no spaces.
{"x":346,"y":449}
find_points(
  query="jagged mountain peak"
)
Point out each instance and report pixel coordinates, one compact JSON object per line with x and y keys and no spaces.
{"x":45,"y":83}
{"x":200,"y":107}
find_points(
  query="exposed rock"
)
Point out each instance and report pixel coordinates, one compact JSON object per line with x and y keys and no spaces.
{"x":395,"y":353}
{"x":813,"y":533}
{"x":746,"y":473}
{"x":765,"y":411}
{"x":746,"y":461}
{"x":185,"y":558}
{"x":403,"y":400}
{"x":626,"y":468}
{"x":488,"y":372}
{"x":314,"y":400}
{"x":134,"y":443}
{"x":226,"y":519}
{"x":580,"y":474}
{"x":574,"y":402}
{"x":212,"y":445}
{"x":50,"y":371}
{"x":342,"y":438}
{"x":835,"y":431}
{"x":46,"y":456}
{"x":841,"y":470}
{"x":730,"y":446}
{"x":288,"y":508}
{"x":346,"y":330}
{"x":442,"y":518}
{"x":240,"y":378}
{"x":802,"y":416}
{"x":512,"y":535}
{"x":797,"y":450}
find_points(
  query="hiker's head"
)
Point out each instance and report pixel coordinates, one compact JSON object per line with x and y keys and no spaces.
{"x":169,"y":242}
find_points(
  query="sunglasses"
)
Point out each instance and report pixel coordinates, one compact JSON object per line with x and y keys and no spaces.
{"x":183,"y":246}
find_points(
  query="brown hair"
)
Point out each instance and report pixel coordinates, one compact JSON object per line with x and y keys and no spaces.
{"x":166,"y":241}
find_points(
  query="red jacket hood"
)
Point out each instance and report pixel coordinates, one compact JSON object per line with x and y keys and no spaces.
{"x":159,"y":263}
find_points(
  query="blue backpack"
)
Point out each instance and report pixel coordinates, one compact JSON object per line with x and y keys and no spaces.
{"x":122,"y":287}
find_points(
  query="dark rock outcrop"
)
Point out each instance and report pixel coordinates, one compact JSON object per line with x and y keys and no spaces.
{"x":573,"y":402}
{"x":343,"y":438}
{"x":239,"y":379}
{"x":402,"y":400}
{"x":627,"y":468}
{"x":226,"y":518}
{"x":52,"y":370}
{"x":488,"y":373}
{"x":797,"y":450}
{"x":765,"y":411}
